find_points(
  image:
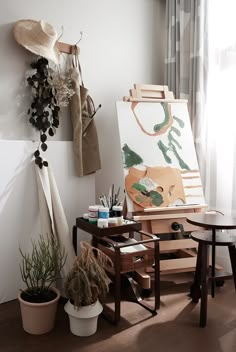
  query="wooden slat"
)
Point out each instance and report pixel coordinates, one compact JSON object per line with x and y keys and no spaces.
{"x":150,"y":91}
{"x":160,"y":217}
{"x":142,"y":278}
{"x":178,"y":264}
{"x":178,"y":207}
{"x":167,"y":246}
{"x":187,"y":252}
{"x":126,"y":98}
{"x":165,"y":225}
{"x":153,"y":87}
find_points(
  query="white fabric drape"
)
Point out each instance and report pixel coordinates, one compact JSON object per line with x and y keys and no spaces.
{"x":218,"y":137}
{"x":201,"y":66}
{"x":209,"y":85}
{"x":52,"y":216}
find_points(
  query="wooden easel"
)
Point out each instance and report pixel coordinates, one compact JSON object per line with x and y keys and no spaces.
{"x":166,"y":220}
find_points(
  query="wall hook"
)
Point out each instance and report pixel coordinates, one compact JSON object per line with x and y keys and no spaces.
{"x":81,"y":36}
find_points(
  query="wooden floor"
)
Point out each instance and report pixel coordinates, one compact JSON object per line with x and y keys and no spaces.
{"x":175,"y":328}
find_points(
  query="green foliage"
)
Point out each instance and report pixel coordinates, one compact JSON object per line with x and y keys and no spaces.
{"x":87,"y":280}
{"x":42,"y":267}
{"x":44,"y":109}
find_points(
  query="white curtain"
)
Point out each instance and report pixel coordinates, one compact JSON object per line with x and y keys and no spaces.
{"x":201,"y":66}
{"x":185,"y":63}
{"x":218,"y":127}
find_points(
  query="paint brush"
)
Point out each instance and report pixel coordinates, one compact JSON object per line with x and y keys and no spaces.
{"x":91,"y":119}
{"x":112,"y":194}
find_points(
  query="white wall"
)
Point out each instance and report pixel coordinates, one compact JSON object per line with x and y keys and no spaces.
{"x":122,"y":44}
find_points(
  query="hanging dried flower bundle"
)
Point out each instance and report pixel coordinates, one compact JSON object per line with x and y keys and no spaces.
{"x":64,"y":88}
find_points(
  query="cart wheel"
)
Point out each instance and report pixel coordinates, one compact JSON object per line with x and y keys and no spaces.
{"x":146,"y":292}
{"x":220,"y":283}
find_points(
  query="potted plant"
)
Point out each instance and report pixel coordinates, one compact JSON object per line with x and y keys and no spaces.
{"x":39,"y":271}
{"x":84,"y":285}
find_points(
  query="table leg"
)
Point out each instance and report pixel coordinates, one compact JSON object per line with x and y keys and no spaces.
{"x":213,"y":263}
{"x":195,"y":291}
{"x":232,"y":253}
{"x":204,"y":286}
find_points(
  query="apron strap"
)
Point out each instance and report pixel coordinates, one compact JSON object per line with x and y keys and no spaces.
{"x":76,"y":63}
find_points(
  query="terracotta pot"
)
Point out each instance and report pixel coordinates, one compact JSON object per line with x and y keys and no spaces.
{"x":83,"y":321}
{"x":38,"y":318}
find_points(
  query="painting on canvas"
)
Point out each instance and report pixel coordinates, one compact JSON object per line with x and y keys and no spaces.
{"x":159,"y":158}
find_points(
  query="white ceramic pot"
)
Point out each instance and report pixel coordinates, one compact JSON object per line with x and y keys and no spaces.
{"x":83,"y":321}
{"x":38,"y":318}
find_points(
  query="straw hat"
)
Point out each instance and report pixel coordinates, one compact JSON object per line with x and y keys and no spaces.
{"x":39,"y":37}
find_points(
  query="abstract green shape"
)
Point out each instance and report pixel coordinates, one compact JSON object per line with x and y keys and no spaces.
{"x":156,"y":197}
{"x":182,"y":164}
{"x":172,"y":144}
{"x":175,"y":130}
{"x":130,"y":157}
{"x":179,"y":121}
{"x":139,"y":187}
{"x":159,"y":126}
{"x":164,"y":151}
{"x":139,"y":199}
{"x":172,"y":141}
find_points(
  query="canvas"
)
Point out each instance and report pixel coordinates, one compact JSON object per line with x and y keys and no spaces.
{"x":159,"y":159}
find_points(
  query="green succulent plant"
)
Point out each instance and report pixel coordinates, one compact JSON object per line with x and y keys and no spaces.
{"x":41,"y":268}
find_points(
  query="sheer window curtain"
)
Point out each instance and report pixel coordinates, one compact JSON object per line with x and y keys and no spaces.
{"x":201,"y":67}
{"x":220,"y":128}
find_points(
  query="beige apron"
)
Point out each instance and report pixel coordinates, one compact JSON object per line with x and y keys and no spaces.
{"x":85,"y":140}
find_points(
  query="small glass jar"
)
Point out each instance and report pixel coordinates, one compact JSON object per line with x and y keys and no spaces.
{"x":118,"y":213}
{"x":86,"y":216}
{"x":93,"y":211}
{"x":117,"y":210}
{"x":103,"y":213}
{"x":102,"y":223}
{"x":112,"y":222}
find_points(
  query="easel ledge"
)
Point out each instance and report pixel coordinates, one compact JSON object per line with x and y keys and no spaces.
{"x":177,"y":207}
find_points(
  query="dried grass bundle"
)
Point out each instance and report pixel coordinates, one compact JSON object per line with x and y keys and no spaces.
{"x":88,"y":281}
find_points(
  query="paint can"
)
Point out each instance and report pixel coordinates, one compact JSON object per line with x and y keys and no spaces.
{"x":102,"y":223}
{"x":112,"y":222}
{"x":103,"y":213}
{"x":118,"y":213}
{"x":93,"y":214}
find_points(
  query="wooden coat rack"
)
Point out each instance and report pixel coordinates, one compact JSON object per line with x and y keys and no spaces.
{"x":67,"y":48}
